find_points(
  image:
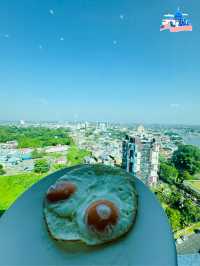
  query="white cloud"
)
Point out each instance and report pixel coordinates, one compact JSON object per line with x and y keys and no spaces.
{"x":51,"y":12}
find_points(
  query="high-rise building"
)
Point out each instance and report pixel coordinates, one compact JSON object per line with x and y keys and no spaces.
{"x":141,"y":157}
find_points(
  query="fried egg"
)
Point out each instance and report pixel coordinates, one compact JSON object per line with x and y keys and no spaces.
{"x":93,"y":204}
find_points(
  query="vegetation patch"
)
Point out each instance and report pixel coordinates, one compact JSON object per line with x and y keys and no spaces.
{"x":35,"y":137}
{"x":194,"y":184}
{"x":11,"y":187}
{"x":76,"y":156}
{"x":187,"y":231}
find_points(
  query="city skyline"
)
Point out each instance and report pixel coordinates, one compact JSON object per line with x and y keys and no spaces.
{"x":81,"y":60}
{"x":62,"y":122}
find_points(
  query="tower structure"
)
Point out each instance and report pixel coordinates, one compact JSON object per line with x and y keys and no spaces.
{"x":140,"y":155}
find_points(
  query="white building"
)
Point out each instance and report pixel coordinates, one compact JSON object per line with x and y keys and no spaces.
{"x":140,"y":155}
{"x":58,"y":148}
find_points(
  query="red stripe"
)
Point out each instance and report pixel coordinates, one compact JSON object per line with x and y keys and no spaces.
{"x":181,"y":28}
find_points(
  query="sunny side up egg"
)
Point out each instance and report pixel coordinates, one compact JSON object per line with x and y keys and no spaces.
{"x":93,"y":204}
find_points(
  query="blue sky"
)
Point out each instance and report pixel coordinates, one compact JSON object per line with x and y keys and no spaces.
{"x":98,"y":60}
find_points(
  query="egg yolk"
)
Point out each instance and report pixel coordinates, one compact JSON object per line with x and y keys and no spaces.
{"x":101,"y":215}
{"x":61,"y":191}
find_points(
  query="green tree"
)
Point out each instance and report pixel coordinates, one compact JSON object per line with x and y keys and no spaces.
{"x":59,"y":166}
{"x":35,"y":137}
{"x":168,"y":173}
{"x":176,"y":199}
{"x":191,"y":212}
{"x":162,"y":159}
{"x":41,"y":166}
{"x":187,"y":176}
{"x":2,"y":171}
{"x":187,"y":158}
{"x":174,"y":217}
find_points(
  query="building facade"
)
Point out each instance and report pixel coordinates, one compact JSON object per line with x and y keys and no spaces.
{"x":140,"y":155}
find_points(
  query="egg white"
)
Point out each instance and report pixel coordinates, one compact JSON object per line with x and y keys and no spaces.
{"x":66,"y":219}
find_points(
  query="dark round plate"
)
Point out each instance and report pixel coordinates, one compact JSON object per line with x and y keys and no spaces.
{"x":24,"y":239}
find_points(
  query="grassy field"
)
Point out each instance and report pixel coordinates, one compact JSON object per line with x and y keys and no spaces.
{"x":197,"y":176}
{"x":187,"y":231}
{"x":11,"y":187}
{"x":76,"y":156}
{"x":194,"y":184}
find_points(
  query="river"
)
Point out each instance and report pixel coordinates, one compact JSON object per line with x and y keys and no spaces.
{"x":193,"y":140}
